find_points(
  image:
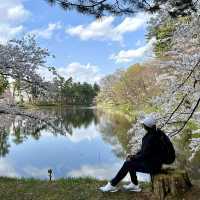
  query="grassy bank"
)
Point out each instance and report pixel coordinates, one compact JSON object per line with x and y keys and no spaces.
{"x":71,"y":189}
{"x":119,"y":110}
{"x":130,"y":112}
{"x":63,"y":189}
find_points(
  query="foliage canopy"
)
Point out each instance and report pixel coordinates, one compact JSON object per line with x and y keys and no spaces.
{"x":99,"y":8}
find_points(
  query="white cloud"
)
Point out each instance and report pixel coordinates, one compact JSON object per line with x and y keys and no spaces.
{"x":12,"y":14}
{"x":79,"y":72}
{"x":48,"y":32}
{"x":13,"y":11}
{"x":131,"y":24}
{"x":129,"y":55}
{"x":83,"y":73}
{"x":18,"y":13}
{"x":7,"y":32}
{"x":97,"y":29}
{"x":105,"y":30}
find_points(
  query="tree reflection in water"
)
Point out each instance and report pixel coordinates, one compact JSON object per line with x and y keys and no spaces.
{"x":20,"y":128}
{"x":114,"y":131}
{"x":4,"y":145}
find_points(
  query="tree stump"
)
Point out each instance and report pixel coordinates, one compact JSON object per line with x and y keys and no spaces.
{"x":170,"y":183}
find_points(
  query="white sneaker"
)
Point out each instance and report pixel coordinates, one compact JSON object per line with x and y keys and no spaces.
{"x":132,"y":187}
{"x":108,"y":188}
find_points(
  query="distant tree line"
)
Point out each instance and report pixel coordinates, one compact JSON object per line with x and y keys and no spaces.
{"x":72,"y":93}
{"x":19,"y":62}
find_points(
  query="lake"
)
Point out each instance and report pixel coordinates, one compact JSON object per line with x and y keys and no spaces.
{"x":90,"y":143}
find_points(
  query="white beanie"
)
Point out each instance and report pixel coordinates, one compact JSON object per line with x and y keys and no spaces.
{"x":149,"y":121}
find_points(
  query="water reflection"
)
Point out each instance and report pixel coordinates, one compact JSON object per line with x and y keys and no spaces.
{"x":4,"y":145}
{"x":6,"y":169}
{"x":104,"y":171}
{"x":98,"y":171}
{"x":69,"y":118}
{"x":20,"y":128}
{"x":91,"y":143}
{"x":29,"y":147}
{"x":114,"y":131}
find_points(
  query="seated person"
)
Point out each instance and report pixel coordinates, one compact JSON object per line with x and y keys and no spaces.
{"x":148,"y":160}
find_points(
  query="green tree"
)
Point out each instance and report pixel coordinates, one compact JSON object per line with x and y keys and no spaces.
{"x":134,"y":87}
{"x":3,"y":84}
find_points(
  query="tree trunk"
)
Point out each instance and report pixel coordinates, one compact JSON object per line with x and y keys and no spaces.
{"x":170,"y":183}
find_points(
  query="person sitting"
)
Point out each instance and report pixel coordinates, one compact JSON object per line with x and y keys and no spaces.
{"x":148,"y":160}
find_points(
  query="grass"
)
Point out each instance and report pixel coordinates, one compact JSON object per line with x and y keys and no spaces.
{"x":63,"y":189}
{"x":130,"y":112}
{"x":73,"y":189}
{"x":195,"y":135}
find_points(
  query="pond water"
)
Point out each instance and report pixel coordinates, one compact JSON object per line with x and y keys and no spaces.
{"x":90,"y":143}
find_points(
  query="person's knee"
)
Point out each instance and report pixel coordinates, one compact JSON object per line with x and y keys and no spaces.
{"x":128,"y":164}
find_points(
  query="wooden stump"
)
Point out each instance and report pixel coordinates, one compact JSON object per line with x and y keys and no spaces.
{"x":170,"y":183}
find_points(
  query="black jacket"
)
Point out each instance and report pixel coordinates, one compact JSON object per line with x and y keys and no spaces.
{"x":151,"y":153}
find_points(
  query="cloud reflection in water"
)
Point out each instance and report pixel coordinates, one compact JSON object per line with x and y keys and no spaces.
{"x":103,"y":172}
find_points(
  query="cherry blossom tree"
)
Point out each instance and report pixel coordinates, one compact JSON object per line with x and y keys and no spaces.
{"x":180,"y":80}
{"x":19,"y":61}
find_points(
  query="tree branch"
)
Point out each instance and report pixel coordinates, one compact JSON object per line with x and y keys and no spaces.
{"x":190,"y":116}
{"x":182,"y":100}
{"x":16,"y":111}
{"x":189,"y":75}
{"x":77,"y":5}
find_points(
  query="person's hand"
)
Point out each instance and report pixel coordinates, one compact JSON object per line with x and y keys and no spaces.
{"x":129,"y":157}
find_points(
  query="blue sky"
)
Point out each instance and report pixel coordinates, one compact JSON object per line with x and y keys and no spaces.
{"x":84,"y":48}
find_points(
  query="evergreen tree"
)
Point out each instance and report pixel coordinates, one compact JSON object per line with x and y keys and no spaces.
{"x":99,"y":8}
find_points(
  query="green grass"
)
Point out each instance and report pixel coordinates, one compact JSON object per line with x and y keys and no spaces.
{"x":196,"y":135}
{"x":130,"y":112}
{"x":69,"y":189}
{"x":73,"y":189}
{"x":193,"y":125}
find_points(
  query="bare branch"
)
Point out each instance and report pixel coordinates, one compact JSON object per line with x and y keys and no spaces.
{"x":189,"y":75}
{"x":181,"y":102}
{"x":190,"y":116}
